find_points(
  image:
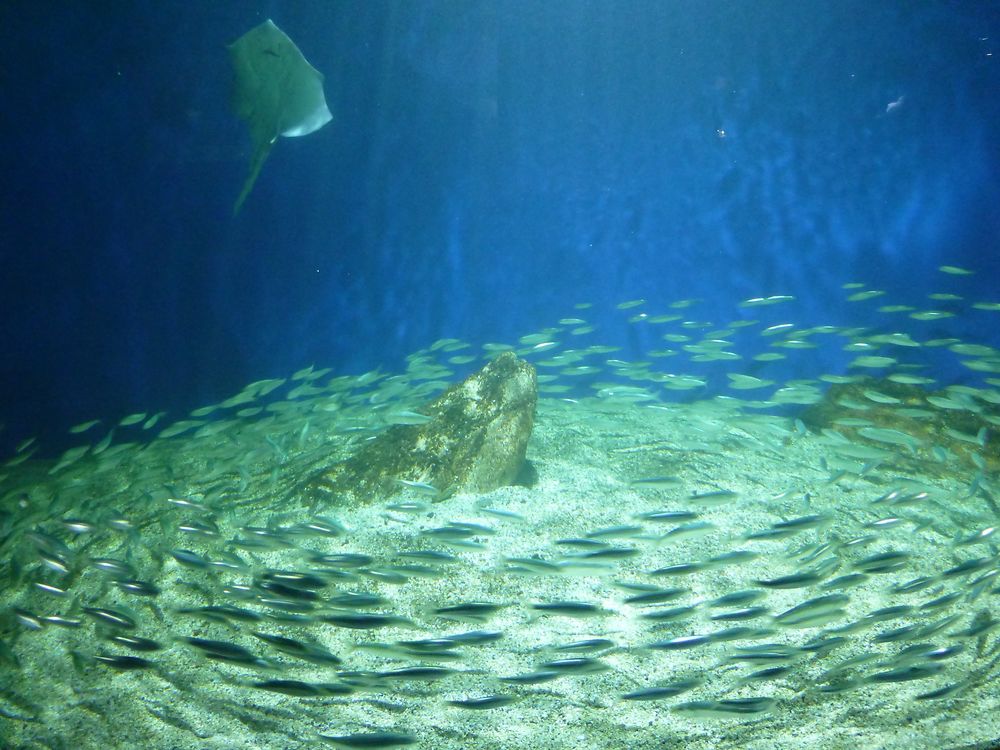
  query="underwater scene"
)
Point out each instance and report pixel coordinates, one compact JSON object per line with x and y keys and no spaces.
{"x":582,"y":374}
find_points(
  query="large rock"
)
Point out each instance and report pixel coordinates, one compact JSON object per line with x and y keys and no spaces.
{"x":475,"y":441}
{"x":952,"y":429}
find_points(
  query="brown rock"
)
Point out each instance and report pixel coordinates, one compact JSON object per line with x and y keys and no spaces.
{"x":475,"y":441}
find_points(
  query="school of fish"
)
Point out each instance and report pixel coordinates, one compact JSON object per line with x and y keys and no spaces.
{"x":696,"y":562}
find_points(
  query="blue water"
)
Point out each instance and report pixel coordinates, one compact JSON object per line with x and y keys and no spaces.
{"x":489,"y":164}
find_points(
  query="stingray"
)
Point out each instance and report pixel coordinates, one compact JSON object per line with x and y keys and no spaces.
{"x":276,"y":91}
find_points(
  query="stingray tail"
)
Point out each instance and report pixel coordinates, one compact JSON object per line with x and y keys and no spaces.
{"x":259,"y":157}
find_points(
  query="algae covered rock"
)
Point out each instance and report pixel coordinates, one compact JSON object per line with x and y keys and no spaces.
{"x":880,"y":412}
{"x":474,"y":441}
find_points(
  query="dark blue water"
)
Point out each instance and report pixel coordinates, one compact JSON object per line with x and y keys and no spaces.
{"x":489,"y":164}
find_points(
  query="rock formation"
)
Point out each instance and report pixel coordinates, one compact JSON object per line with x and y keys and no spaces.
{"x":475,"y":441}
